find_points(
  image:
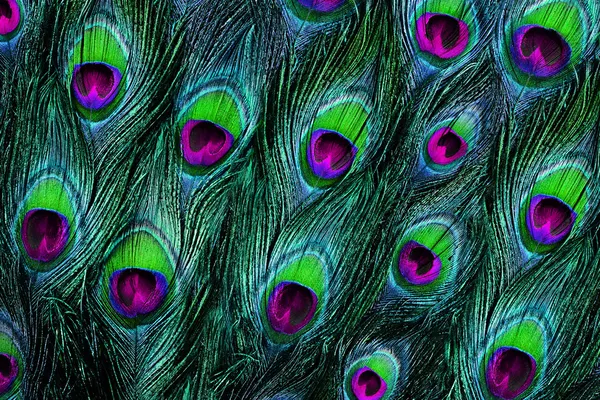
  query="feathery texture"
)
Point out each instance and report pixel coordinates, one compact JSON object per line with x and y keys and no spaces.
{"x":300,"y":199}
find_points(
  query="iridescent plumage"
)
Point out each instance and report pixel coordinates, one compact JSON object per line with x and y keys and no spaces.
{"x":299,"y":199}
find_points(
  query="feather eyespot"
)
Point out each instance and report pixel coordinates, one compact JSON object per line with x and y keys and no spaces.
{"x":10,"y":17}
{"x":539,"y":51}
{"x":549,"y":219}
{"x":543,"y":43}
{"x":11,"y":361}
{"x":446,"y":146}
{"x":320,"y":11}
{"x":334,"y":143}
{"x":442,"y":35}
{"x":372,"y":377}
{"x":291,"y":307}
{"x":368,"y":385}
{"x":444,"y":32}
{"x":96,"y":71}
{"x":330,"y":154}
{"x":46,"y":224}
{"x":555,"y":207}
{"x":204,"y":143}
{"x":294,"y":298}
{"x":137,"y":291}
{"x":424,"y":260}
{"x":95,"y":84}
{"x":510,"y":372}
{"x":449,"y":140}
{"x":418,"y":264}
{"x":514,"y":360}
{"x":138,"y":278}
{"x":44,"y":234}
{"x":210,"y":127}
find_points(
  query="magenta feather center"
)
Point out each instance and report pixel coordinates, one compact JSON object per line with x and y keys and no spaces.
{"x":368,"y":385}
{"x":446,"y":146}
{"x":95,"y":84}
{"x":418,"y":264}
{"x":10,"y":16}
{"x":291,"y":307}
{"x":9,"y":369}
{"x":509,"y":372}
{"x":539,"y":51}
{"x":44,"y":234}
{"x":330,"y":154}
{"x":442,"y":35}
{"x":204,"y":143}
{"x":549,"y":219}
{"x":136,"y":292}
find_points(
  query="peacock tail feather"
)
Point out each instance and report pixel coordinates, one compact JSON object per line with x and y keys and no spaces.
{"x":299,"y":199}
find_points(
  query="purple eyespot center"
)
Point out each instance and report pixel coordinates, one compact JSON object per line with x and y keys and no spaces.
{"x":446,"y":27}
{"x":44,"y":234}
{"x":539,"y":51}
{"x":5,"y":9}
{"x":322,"y":5}
{"x":10,"y":16}
{"x":291,"y":306}
{"x":442,"y":35}
{"x":9,"y":369}
{"x":418,"y":264}
{"x":368,"y":385}
{"x":549,"y":219}
{"x":330,"y":154}
{"x":204,"y":143}
{"x":95,"y":84}
{"x":137,"y":292}
{"x":423,"y":259}
{"x":547,"y":41}
{"x":509,"y":372}
{"x":446,"y":146}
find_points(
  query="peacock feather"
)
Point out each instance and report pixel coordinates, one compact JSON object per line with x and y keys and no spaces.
{"x":300,"y":199}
